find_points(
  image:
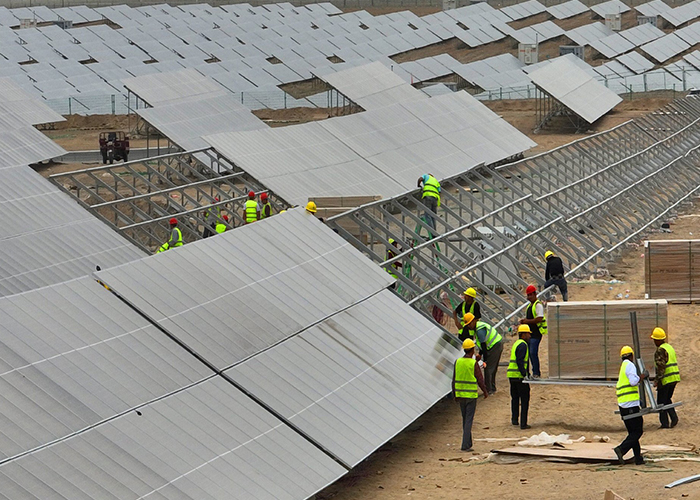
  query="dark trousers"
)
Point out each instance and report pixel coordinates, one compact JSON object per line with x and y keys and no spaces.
{"x":534,"y":346}
{"x":635,"y":429}
{"x":431,"y":203}
{"x":519,"y":400}
{"x":492,"y":358}
{"x":468,"y":407}
{"x":664,"y":393}
{"x":561,"y":284}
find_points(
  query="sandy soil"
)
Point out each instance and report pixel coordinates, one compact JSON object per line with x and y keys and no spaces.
{"x":425,"y":460}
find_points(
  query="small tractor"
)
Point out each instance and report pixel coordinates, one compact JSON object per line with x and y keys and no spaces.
{"x":114,"y":146}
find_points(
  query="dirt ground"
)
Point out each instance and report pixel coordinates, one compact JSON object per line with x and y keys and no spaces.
{"x":425,"y":461}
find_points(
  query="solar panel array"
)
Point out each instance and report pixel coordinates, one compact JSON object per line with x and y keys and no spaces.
{"x":625,"y":41}
{"x":681,"y":14}
{"x":379,"y":152}
{"x":568,"y":9}
{"x":610,"y":7}
{"x":664,"y":48}
{"x":575,"y":89}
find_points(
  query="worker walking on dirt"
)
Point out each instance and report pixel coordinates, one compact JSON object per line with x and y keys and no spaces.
{"x":221,"y":227}
{"x":518,"y":369}
{"x":628,"y":400}
{"x":667,"y":376}
{"x":251,"y":212}
{"x":467,"y":376}
{"x":395,"y":266}
{"x":537,"y":322}
{"x":468,"y":305}
{"x":490,"y":344}
{"x":430,"y":197}
{"x":554,"y":274}
{"x":175,"y":239}
{"x":266,"y":209}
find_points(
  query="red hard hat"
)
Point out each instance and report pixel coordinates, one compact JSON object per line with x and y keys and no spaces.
{"x":226,"y":218}
{"x":173,"y":221}
{"x":217,"y":198}
{"x":263,"y":196}
{"x":530,"y":289}
{"x":251,"y":194}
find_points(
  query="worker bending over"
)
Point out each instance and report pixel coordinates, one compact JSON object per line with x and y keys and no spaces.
{"x":490,"y":344}
{"x":430,"y":197}
{"x":251,"y":212}
{"x":537,"y":322}
{"x":221,"y":226}
{"x":628,"y":400}
{"x":175,"y":239}
{"x":554,"y":274}
{"x":467,"y":376}
{"x":518,"y":369}
{"x":469,"y":305}
{"x":667,"y":376}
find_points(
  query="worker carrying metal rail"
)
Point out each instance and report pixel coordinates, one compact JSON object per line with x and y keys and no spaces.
{"x":490,"y":344}
{"x":628,"y":400}
{"x":251,"y":212}
{"x":554,"y":274}
{"x":175,"y":239}
{"x":465,"y":380}
{"x":395,"y":266}
{"x":221,"y":227}
{"x":266,"y":209}
{"x":430,"y":196}
{"x":667,"y":376}
{"x":518,"y":370}
{"x":537,"y":322}
{"x":468,"y":305}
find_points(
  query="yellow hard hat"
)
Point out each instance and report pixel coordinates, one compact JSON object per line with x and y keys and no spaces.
{"x":548,"y":254}
{"x":658,"y":334}
{"x":468,"y":318}
{"x":282,"y":211}
{"x":311,"y":207}
{"x":468,"y":344}
{"x":626,"y":350}
{"x":524,"y":328}
{"x":470,"y":292}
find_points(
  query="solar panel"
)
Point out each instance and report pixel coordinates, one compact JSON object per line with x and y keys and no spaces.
{"x":689,"y":34}
{"x":664,"y":48}
{"x":575,"y":89}
{"x":652,"y":8}
{"x":612,"y":45}
{"x":610,"y":7}
{"x":641,"y":34}
{"x":340,"y":385}
{"x":584,"y":35}
{"x":568,"y":9}
{"x":636,"y":62}
{"x":160,"y":88}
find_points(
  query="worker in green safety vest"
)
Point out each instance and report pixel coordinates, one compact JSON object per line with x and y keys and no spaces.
{"x":175,"y":239}
{"x":518,"y":370}
{"x":251,"y":212}
{"x":430,"y":197}
{"x":221,"y":227}
{"x":667,"y":376}
{"x":468,"y":305}
{"x":266,"y":209}
{"x":465,"y":380}
{"x":627,"y":388}
{"x":490,"y":344}
{"x":395,"y":266}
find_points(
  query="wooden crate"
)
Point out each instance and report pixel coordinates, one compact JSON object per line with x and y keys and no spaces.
{"x":585,"y":338}
{"x":672,"y":270}
{"x":344,"y":201}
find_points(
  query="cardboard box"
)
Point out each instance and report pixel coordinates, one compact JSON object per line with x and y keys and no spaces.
{"x":672,"y":270}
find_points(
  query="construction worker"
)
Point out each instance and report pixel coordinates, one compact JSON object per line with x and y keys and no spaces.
{"x":393,"y":270}
{"x":554,"y":274}
{"x":251,"y":212}
{"x":667,"y":376}
{"x":628,"y":400}
{"x":537,"y":322}
{"x":490,"y":344}
{"x":175,"y":239}
{"x":465,"y":379}
{"x":221,"y":226}
{"x":266,"y":209}
{"x":430,"y":196}
{"x":469,"y":305}
{"x":518,"y":369}
{"x":211,"y":216}
{"x":311,"y":208}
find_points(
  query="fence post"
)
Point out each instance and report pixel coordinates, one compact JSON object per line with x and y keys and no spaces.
{"x":285,"y":100}
{"x":241,"y":97}
{"x":70,"y":105}
{"x":114,"y":105}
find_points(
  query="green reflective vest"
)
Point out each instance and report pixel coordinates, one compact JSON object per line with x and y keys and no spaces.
{"x":625,"y":391}
{"x":465,"y":380}
{"x":431,"y":187}
{"x":532,"y":314}
{"x":513,"y":371}
{"x":464,"y":311}
{"x":492,"y":335}
{"x":392,"y":269}
{"x":671,"y":374}
{"x":251,"y":211}
{"x":220,"y":227}
{"x":263,"y":210}
{"x":172,"y":242}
